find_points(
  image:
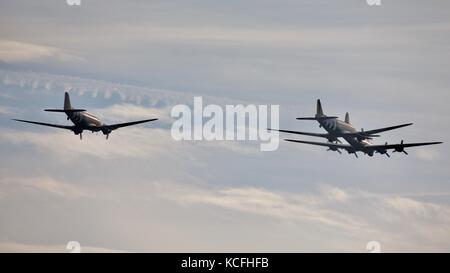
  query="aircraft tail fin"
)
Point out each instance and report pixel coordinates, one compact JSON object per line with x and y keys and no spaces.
{"x":319,"y":109}
{"x":67,"y":105}
{"x":347,"y":118}
{"x":319,"y":114}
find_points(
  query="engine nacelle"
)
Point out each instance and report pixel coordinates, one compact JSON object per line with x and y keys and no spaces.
{"x":332,"y":139}
{"x":106,"y":131}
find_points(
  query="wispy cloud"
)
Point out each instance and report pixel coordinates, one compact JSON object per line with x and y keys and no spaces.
{"x":20,"y":52}
{"x":427,"y":154}
{"x":13,"y":247}
{"x":6,"y":110}
{"x":334,"y":208}
{"x":128,"y":111}
{"x":13,"y":185}
{"x":133,"y":142}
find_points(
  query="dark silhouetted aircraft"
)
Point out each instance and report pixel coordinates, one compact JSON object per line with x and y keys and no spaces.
{"x":358,"y":141}
{"x":82,"y":120}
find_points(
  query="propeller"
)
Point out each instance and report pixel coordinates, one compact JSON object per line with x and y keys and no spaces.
{"x":401,"y":149}
{"x":335,"y":149}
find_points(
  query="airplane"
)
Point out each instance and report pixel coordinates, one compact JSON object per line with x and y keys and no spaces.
{"x":82,"y":120}
{"x":358,"y":141}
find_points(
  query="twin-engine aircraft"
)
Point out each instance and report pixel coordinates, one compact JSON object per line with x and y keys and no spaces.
{"x":358,"y":141}
{"x":82,"y":120}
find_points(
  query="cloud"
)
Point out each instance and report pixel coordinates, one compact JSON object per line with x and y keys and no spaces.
{"x":13,"y":247}
{"x":398,"y":222}
{"x":275,"y":204}
{"x":20,"y":52}
{"x":56,"y":84}
{"x":426,"y":154}
{"x":13,"y":185}
{"x":334,"y":193}
{"x":132,"y":142}
{"x":128,"y":111}
{"x":6,"y":110}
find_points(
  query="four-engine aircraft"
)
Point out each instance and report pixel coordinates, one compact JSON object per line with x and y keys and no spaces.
{"x":82,"y":120}
{"x":358,"y":141}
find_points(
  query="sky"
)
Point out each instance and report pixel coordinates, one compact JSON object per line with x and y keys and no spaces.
{"x":143,"y":191}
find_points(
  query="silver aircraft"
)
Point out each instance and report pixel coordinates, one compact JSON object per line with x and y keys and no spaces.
{"x":358,"y":141}
{"x":82,"y":120}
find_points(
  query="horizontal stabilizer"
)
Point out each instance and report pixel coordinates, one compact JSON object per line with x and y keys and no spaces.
{"x":317,"y":118}
{"x":65,"y":111}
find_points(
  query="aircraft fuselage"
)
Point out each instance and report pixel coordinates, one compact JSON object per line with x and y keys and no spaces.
{"x":85,"y":121}
{"x":336,"y":127}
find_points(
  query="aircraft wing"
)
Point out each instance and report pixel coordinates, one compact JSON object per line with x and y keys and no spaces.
{"x":332,"y":146}
{"x":328,"y":136}
{"x":302,"y":133}
{"x":399,"y":147}
{"x":376,"y":131}
{"x":68,"y":127}
{"x":120,"y":125}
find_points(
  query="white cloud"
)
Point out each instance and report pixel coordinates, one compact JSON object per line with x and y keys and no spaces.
{"x":13,"y":247}
{"x":5,"y":110}
{"x":334,"y":193}
{"x":19,"y":52}
{"x":398,"y":222}
{"x":13,"y":185}
{"x":132,"y":142}
{"x":426,"y":154}
{"x":127,"y":111}
{"x":276,"y":204}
